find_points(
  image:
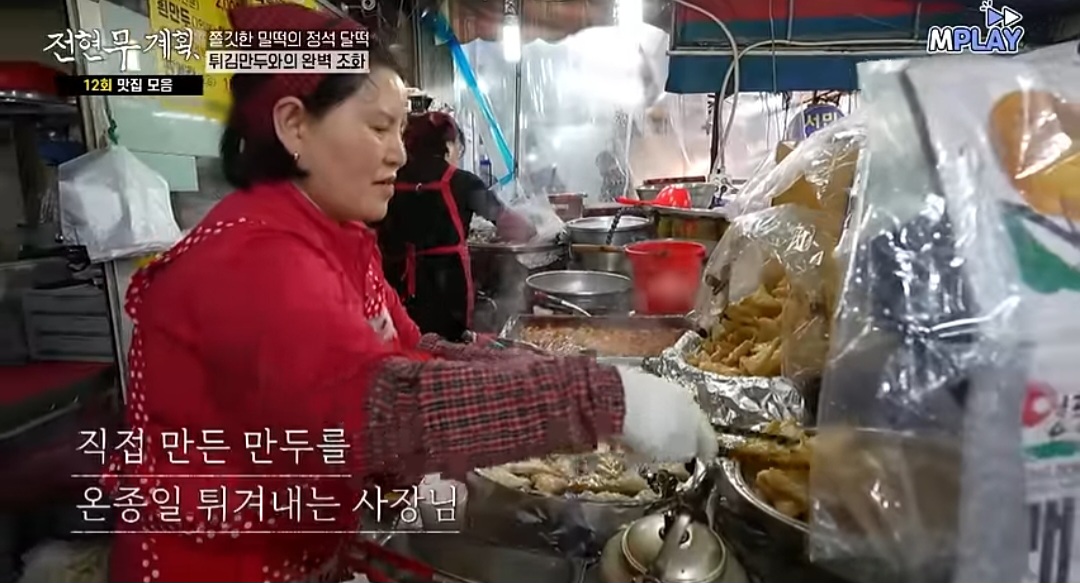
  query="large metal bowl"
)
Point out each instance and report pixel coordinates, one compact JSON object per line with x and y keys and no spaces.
{"x":785,"y":532}
{"x":579,"y":283}
{"x":934,"y":481}
{"x":463,"y":559}
{"x":574,"y":527}
{"x":701,"y":193}
{"x":596,"y":292}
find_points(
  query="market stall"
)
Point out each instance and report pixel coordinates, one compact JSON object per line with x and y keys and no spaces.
{"x":856,"y":338}
{"x":849,"y":323}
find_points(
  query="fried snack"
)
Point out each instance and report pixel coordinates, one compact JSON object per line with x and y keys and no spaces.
{"x":532,"y":467}
{"x":762,"y":452}
{"x":747,"y":341}
{"x":781,"y":472}
{"x":550,"y":484}
{"x":786,"y":490}
{"x":502,"y":476}
{"x":602,"y":475}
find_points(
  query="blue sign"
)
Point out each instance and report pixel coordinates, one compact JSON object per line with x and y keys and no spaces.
{"x":1000,"y":35}
{"x":814,"y":117}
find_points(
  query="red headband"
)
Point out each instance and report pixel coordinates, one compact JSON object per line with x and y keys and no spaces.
{"x":257,"y":115}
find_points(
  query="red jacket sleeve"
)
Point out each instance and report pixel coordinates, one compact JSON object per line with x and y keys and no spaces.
{"x":281,"y":320}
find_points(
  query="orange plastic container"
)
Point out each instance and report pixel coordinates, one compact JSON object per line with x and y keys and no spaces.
{"x":666,"y":275}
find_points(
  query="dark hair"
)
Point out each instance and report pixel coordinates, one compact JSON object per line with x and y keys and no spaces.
{"x":245,"y":160}
{"x":427,"y":135}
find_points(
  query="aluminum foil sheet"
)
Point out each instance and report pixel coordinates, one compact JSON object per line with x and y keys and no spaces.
{"x":739,"y":401}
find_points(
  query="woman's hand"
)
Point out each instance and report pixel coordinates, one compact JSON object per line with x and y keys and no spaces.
{"x":514,"y":228}
{"x":662,"y":421}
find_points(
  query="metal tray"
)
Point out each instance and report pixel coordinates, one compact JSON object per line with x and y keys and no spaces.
{"x":516,"y":324}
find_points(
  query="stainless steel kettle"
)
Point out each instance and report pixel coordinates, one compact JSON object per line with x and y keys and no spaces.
{"x":669,"y":547}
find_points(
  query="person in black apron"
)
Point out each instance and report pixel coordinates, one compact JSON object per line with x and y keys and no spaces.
{"x":424,"y":238}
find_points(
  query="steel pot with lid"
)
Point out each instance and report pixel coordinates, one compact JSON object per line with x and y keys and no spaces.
{"x":595,"y":230}
{"x":668,"y":548}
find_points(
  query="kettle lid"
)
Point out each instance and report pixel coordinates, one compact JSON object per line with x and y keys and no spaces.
{"x":699,"y":558}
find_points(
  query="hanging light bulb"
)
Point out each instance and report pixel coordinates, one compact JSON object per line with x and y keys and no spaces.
{"x":511,"y":38}
{"x":629,"y":13}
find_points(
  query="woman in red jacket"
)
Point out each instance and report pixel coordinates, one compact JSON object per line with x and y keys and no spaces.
{"x":271,"y":324}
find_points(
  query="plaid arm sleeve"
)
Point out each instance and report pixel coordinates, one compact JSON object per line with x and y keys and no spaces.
{"x":486,"y":347}
{"x":452,"y":416}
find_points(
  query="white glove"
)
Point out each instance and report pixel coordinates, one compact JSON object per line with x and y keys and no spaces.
{"x":662,"y":422}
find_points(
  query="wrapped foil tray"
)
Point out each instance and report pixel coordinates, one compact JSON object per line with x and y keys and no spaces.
{"x":729,"y":400}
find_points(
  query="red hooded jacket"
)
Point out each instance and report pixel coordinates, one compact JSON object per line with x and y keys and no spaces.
{"x":270,"y":320}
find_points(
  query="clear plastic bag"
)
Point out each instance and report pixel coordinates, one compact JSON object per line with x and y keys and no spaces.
{"x":115,"y":205}
{"x":758,"y":253}
{"x":541,"y":215}
{"x":818,"y":173}
{"x":916,"y":474}
{"x":1013,"y":137}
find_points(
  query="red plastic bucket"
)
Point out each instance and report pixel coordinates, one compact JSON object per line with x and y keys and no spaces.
{"x":666,"y":275}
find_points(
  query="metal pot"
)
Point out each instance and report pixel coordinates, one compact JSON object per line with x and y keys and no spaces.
{"x":582,"y":292}
{"x":701,"y":193}
{"x":594,"y":230}
{"x":568,"y":206}
{"x":668,"y":548}
{"x":693,"y":225}
{"x":608,"y":258}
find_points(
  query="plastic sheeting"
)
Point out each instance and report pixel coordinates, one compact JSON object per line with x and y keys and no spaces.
{"x":595,"y":118}
{"x":919,"y":410}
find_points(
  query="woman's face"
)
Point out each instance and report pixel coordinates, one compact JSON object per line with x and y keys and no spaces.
{"x":353,"y":152}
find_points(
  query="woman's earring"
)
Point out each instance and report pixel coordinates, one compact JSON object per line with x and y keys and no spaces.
{"x":295,"y":157}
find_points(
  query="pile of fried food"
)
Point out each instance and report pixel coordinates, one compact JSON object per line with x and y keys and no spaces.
{"x":604,"y":341}
{"x":747,"y":340}
{"x":778,"y":472}
{"x":602,"y":476}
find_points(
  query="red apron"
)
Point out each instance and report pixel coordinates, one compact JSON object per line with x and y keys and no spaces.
{"x":461,"y":249}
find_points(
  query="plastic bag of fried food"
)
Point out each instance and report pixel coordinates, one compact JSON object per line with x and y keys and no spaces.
{"x":818,"y":173}
{"x":747,"y":340}
{"x":769,"y":288}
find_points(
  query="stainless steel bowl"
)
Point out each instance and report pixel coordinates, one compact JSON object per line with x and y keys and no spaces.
{"x":784,"y":531}
{"x":595,"y":292}
{"x":579,"y":283}
{"x":933,"y":479}
{"x":530,"y":520}
{"x":701,"y":193}
{"x":463,"y":559}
